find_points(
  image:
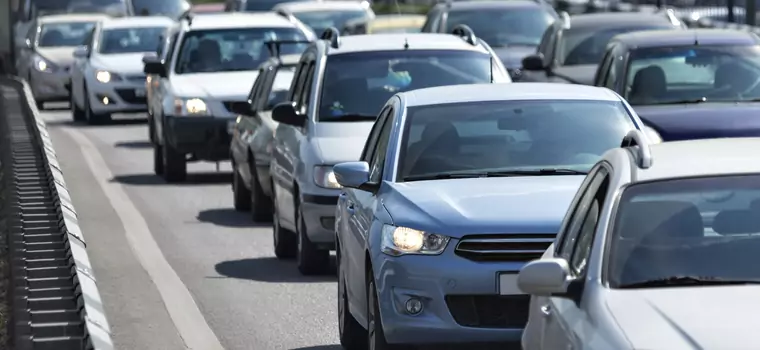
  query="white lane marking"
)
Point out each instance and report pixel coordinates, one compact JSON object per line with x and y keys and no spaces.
{"x":183,"y":310}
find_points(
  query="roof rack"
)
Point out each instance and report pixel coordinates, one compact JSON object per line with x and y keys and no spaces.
{"x":642,"y":153}
{"x":333,"y":36}
{"x":274,"y":45}
{"x":465,"y":32}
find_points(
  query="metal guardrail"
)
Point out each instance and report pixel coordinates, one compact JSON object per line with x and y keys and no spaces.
{"x":55,"y":301}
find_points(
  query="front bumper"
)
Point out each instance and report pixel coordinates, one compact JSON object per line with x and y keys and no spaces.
{"x":460,"y":297}
{"x":123,"y":96}
{"x":319,"y":217}
{"x":50,"y":86}
{"x":208,"y":138}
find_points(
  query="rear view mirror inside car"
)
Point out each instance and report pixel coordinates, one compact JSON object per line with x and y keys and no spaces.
{"x":512,"y":123}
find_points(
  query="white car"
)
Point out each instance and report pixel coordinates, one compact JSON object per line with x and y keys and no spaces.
{"x":107,"y":75}
{"x":658,"y":250}
{"x":321,"y":15}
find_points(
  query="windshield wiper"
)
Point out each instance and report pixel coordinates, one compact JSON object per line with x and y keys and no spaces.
{"x":349,"y":117}
{"x":683,"y":102}
{"x":505,"y":173}
{"x":686,"y":281}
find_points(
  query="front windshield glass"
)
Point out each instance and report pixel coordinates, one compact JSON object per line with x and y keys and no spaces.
{"x":687,"y":74}
{"x":705,"y":228}
{"x":509,"y":135}
{"x":130,"y":40}
{"x":64,"y":34}
{"x":357,"y":85}
{"x":228,"y":50}
{"x":321,"y":20}
{"x":587,"y":45}
{"x":169,"y":8}
{"x":112,"y":7}
{"x":262,"y":5}
{"x":504,"y":27}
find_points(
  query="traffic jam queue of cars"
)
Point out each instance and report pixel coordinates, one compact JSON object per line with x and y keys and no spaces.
{"x":493,"y":172}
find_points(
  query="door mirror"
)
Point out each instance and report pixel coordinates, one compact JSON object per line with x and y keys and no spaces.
{"x":354,"y":175}
{"x":154,"y":65}
{"x":534,"y":62}
{"x":286,"y":113}
{"x":545,"y":277}
{"x":81,"y":52}
{"x":243,"y":108}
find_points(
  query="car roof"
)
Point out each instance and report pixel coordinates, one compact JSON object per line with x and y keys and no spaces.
{"x":705,"y":157}
{"x":596,"y":21}
{"x":397,"y":41}
{"x":225,"y":20}
{"x":506,"y":91}
{"x":138,"y":22}
{"x":490,"y":4}
{"x":659,"y":38}
{"x":306,"y":6}
{"x":67,"y":18}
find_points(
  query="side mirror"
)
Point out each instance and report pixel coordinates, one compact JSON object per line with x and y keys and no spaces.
{"x":545,"y":277}
{"x":285,"y":113}
{"x":240,"y":108}
{"x":534,"y":62}
{"x":354,"y":175}
{"x":81,"y":52}
{"x":153,"y":65}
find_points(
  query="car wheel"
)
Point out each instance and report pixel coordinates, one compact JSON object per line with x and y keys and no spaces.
{"x":311,"y":259}
{"x":375,"y":334}
{"x":261,"y":204}
{"x":352,"y":335}
{"x":77,"y":114}
{"x":175,"y":164}
{"x":158,"y":159}
{"x":92,"y":117}
{"x":284,"y":240}
{"x":241,"y":195}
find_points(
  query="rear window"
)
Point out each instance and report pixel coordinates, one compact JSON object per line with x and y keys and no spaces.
{"x":130,"y":40}
{"x":706,"y":227}
{"x":64,"y":34}
{"x":587,"y":45}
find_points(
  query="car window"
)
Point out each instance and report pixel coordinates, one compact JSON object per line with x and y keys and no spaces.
{"x":114,"y":8}
{"x":501,"y":27}
{"x":369,"y":146}
{"x":319,"y":21}
{"x":130,"y":40}
{"x":277,"y":90}
{"x":303,"y":102}
{"x":229,"y":50}
{"x":612,"y":72}
{"x":707,"y":227}
{"x":588,"y":45}
{"x":64,"y":34}
{"x":510,"y":135}
{"x":378,"y":158}
{"x":171,"y":47}
{"x":255,"y":90}
{"x":298,"y":81}
{"x":357,"y":85}
{"x":569,"y":238}
{"x":546,"y":41}
{"x":169,"y":8}
{"x":688,"y":73}
{"x":587,"y":230}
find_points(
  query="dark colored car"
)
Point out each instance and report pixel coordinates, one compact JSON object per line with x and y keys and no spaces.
{"x":512,"y":28}
{"x":571,"y":49}
{"x":692,"y":84}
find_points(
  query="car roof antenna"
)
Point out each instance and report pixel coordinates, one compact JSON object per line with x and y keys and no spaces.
{"x":406,"y":44}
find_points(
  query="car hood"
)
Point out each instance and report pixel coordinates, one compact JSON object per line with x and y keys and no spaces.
{"x":714,"y":317}
{"x":456,"y":207}
{"x":703,"y":120}
{"x":512,"y":56}
{"x":124,"y":63}
{"x":341,"y":142}
{"x":60,"y":56}
{"x":577,"y":74}
{"x":224,"y":86}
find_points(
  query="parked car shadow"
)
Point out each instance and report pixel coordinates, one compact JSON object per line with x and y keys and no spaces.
{"x":271,"y":270}
{"x":134,"y":144}
{"x":228,"y":217}
{"x":192,"y":179}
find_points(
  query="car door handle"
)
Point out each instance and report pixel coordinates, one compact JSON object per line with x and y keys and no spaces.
{"x":546,"y":310}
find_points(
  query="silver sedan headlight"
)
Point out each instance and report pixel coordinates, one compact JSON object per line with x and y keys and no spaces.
{"x":403,"y":240}
{"x":105,"y":76}
{"x":190,"y":107}
{"x":43,"y":65}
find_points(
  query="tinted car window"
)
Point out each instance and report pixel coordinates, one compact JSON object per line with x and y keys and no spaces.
{"x":112,"y":7}
{"x":282,"y":80}
{"x":587,"y":46}
{"x":502,"y":27}
{"x":169,"y":8}
{"x":683,"y":74}
{"x":510,"y":135}
{"x":64,"y":34}
{"x":232,"y":49}
{"x":321,"y":20}
{"x":357,"y":85}
{"x":705,"y":227}
{"x":130,"y":40}
{"x":262,"y":5}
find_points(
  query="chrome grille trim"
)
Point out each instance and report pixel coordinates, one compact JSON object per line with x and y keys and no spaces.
{"x":504,"y":247}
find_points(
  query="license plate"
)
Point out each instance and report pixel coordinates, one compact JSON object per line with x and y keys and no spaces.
{"x":508,"y":284}
{"x":139,"y":93}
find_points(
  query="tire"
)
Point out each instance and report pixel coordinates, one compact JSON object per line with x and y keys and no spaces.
{"x":375,"y":334}
{"x":92,"y":117}
{"x":175,"y":164}
{"x":284,"y":240}
{"x":310,"y":259}
{"x":158,"y":159}
{"x":241,"y":195}
{"x":261,"y":204}
{"x":77,"y":114}
{"x":352,"y":335}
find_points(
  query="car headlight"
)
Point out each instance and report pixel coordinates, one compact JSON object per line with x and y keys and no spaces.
{"x":42,"y":64}
{"x":403,"y":240}
{"x":325,"y":177}
{"x":652,"y":135}
{"x":106,"y":76}
{"x":190,"y":106}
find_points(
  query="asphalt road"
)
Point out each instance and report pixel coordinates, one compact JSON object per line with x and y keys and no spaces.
{"x":176,"y":266}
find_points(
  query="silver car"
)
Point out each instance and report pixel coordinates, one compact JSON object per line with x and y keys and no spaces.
{"x":47,"y":54}
{"x":657,"y":251}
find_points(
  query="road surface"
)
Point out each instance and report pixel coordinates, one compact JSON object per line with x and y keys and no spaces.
{"x":177,"y":267}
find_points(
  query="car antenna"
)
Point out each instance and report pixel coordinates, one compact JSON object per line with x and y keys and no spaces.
{"x":406,"y":44}
{"x":696,"y":39}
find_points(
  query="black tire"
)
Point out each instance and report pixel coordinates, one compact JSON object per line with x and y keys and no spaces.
{"x":261,"y":204}
{"x":175,"y":164}
{"x":158,"y":159}
{"x":352,"y":335}
{"x":77,"y":114}
{"x":375,"y":334}
{"x":310,"y":259}
{"x":285,"y":244}
{"x":92,"y":117}
{"x":241,"y":195}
